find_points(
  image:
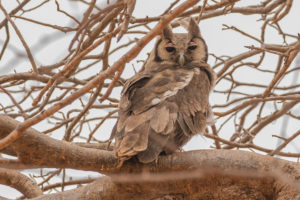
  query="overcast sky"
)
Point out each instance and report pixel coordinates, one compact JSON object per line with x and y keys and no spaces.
{"x":219,"y":42}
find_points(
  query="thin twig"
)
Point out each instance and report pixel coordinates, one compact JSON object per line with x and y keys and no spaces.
{"x":99,"y":78}
{"x":30,"y":57}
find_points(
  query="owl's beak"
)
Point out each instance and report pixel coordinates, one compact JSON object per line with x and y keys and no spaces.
{"x":181,"y":59}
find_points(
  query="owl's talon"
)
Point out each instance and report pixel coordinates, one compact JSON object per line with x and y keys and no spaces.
{"x":156,"y":161}
{"x":108,"y":144}
{"x":120,"y":164}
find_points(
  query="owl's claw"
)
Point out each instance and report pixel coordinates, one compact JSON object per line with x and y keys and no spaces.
{"x":108,"y":144}
{"x":156,"y":161}
{"x":120,"y":164}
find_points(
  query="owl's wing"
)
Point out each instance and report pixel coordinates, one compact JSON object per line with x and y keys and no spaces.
{"x":146,"y":117}
{"x":194,"y":109}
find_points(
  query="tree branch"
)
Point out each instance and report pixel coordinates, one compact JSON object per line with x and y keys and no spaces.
{"x":20,"y":182}
{"x":194,"y":167}
{"x":101,"y":77}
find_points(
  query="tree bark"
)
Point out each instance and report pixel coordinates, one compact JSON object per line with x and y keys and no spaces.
{"x":203,"y":174}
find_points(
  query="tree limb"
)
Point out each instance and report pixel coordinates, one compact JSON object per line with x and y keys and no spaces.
{"x":217,"y":167}
{"x":20,"y":182}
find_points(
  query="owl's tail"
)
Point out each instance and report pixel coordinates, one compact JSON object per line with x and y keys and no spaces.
{"x":143,"y":142}
{"x":130,"y":143}
{"x":146,"y":134}
{"x":156,"y":145}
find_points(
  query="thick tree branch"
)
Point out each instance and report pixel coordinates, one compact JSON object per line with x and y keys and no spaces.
{"x":37,"y":149}
{"x":20,"y":182}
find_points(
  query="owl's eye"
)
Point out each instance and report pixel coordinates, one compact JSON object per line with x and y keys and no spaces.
{"x":170,"y":49}
{"x":192,"y":47}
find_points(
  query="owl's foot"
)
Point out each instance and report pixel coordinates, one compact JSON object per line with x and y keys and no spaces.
{"x":120,"y":164}
{"x":121,"y":161}
{"x":156,"y":161}
{"x":108,"y":144}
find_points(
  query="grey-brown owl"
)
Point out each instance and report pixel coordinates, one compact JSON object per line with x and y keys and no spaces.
{"x":164,"y":105}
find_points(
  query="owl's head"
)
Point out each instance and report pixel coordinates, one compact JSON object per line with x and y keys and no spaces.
{"x":181,"y":48}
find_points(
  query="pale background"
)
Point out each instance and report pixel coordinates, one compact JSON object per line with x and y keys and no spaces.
{"x":219,"y":42}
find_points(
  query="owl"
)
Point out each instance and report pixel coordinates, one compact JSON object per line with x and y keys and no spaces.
{"x":166,"y":103}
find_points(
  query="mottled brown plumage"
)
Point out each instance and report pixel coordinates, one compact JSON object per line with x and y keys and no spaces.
{"x":164,"y":105}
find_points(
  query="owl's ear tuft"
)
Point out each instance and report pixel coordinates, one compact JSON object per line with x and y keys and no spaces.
{"x":167,"y":33}
{"x":193,"y":29}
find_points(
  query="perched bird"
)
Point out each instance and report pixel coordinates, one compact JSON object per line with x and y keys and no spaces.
{"x":167,"y":103}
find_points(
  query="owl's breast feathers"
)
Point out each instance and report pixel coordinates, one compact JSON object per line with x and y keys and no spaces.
{"x":160,"y":110}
